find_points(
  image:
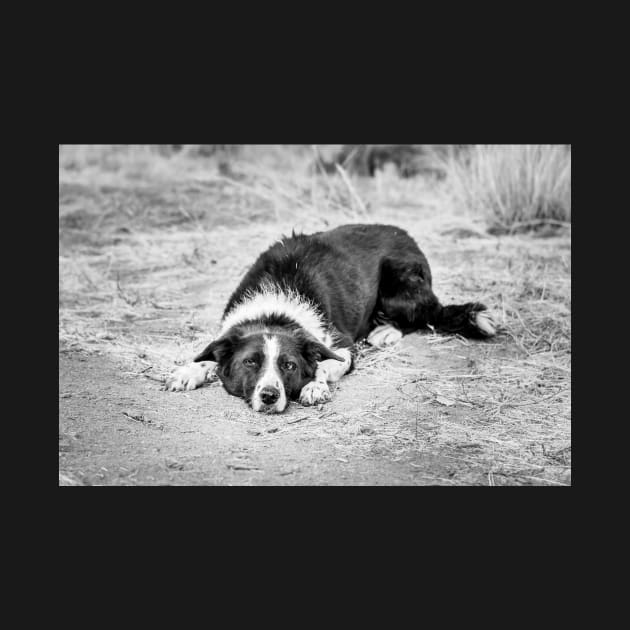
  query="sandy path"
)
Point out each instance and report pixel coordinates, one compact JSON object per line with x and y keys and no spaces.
{"x":209,"y":437}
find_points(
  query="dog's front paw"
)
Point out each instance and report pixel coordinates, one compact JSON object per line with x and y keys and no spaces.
{"x":187,"y":377}
{"x":314,"y":393}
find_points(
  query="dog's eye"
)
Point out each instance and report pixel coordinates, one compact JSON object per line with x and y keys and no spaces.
{"x":249,"y":363}
{"x":289,"y":366}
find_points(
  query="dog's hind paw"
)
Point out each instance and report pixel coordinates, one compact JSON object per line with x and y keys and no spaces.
{"x":188,"y":377}
{"x":314,"y":393}
{"x":485,"y":324}
{"x":384,"y":335}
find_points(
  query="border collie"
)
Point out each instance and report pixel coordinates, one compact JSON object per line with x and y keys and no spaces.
{"x":290,"y":327}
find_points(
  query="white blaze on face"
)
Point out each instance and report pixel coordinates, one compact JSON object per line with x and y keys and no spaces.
{"x":270,"y":376}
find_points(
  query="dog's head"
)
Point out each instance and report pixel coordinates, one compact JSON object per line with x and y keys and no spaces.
{"x":266,"y":368}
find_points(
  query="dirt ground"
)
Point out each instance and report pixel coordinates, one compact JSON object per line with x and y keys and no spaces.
{"x":150,"y":248}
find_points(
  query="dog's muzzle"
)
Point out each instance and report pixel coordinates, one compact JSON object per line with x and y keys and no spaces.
{"x":269,"y":400}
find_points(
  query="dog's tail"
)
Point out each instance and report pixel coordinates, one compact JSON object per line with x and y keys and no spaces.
{"x":469,"y":320}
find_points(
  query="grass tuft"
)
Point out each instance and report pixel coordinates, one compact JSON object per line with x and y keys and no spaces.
{"x":515,"y":187}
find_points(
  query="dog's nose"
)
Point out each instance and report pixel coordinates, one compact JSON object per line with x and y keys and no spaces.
{"x":269,"y":395}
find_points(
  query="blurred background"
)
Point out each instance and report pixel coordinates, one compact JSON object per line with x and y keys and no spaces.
{"x":512,"y":187}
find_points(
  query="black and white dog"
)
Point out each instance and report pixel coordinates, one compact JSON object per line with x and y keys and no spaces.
{"x":289,"y":328}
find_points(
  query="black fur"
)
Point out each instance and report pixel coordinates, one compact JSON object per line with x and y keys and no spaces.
{"x":359,"y":276}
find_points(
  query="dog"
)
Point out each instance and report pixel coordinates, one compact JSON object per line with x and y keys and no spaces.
{"x":291,"y":326}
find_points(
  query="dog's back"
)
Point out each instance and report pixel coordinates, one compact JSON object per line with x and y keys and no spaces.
{"x":338,"y":271}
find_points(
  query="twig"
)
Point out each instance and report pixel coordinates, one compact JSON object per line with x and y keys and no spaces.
{"x":351,"y":188}
{"x":546,"y":365}
{"x":555,"y":483}
{"x":296,"y":420}
{"x":237,"y":466}
{"x":531,"y":402}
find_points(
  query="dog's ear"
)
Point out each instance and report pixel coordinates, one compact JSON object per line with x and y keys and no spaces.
{"x":313,"y":350}
{"x":217,"y":350}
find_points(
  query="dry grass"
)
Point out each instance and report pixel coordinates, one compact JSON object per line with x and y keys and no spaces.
{"x":144,"y":280}
{"x":513,"y":186}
